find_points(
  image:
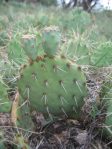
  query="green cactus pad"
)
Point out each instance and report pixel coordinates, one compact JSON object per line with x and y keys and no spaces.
{"x":54,"y":86}
{"x":5,"y":103}
{"x":102,"y":56}
{"x":24,"y":117}
{"x":51,"y":41}
{"x":31,"y":45}
{"x":108,"y":103}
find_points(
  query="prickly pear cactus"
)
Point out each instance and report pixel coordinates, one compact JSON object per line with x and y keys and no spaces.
{"x":54,"y":86}
{"x":102,"y":57}
{"x":24,"y":116}
{"x":107,"y":129}
{"x":51,"y":40}
{"x":5,"y":103}
{"x":31,"y":45}
{"x":20,"y":113}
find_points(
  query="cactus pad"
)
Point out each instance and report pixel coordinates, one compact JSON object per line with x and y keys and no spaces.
{"x":108,"y":103}
{"x":54,"y":86}
{"x":51,"y":40}
{"x":24,"y":117}
{"x":31,"y":45}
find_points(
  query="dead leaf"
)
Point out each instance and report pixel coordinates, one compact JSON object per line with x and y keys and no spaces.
{"x":14,"y":109}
